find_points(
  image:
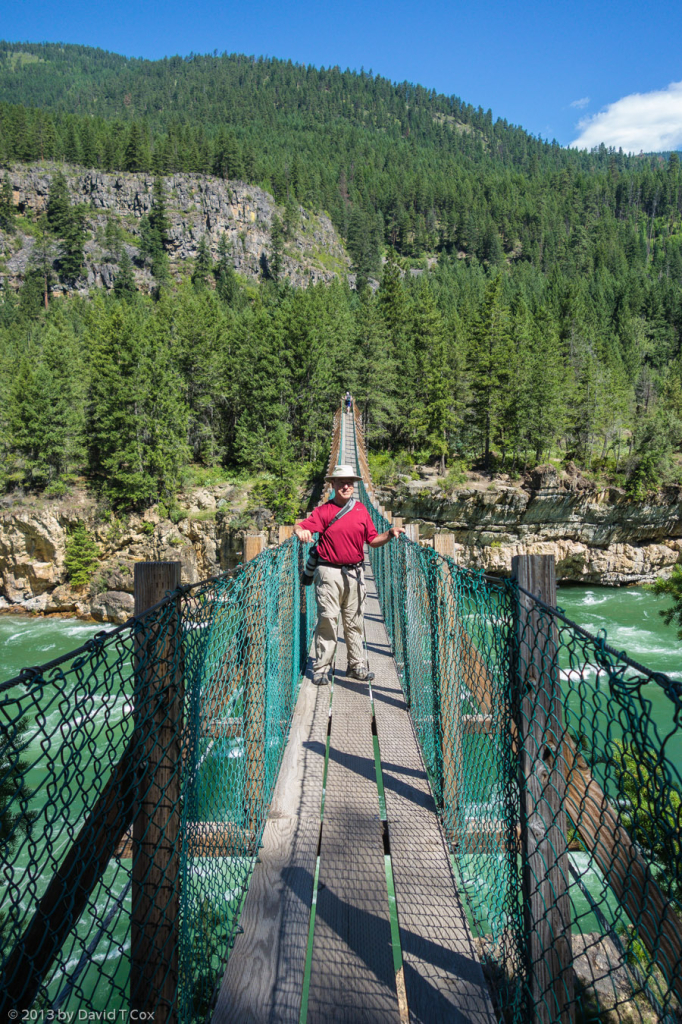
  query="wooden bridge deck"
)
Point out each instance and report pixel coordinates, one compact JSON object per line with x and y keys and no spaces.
{"x":353,"y":976}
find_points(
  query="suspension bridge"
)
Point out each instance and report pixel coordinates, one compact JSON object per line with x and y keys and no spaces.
{"x":489,"y":830}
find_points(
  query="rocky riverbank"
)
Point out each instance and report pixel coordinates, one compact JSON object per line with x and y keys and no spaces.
{"x":206,"y":537}
{"x":197,"y":205}
{"x":597,"y":536}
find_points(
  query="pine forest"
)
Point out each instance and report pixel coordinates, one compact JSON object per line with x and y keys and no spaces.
{"x":511,"y":303}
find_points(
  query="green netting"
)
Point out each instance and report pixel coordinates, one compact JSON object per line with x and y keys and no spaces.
{"x":559,"y":790}
{"x":135,"y":778}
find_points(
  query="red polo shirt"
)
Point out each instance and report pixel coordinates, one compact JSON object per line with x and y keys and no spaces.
{"x":343,"y":543}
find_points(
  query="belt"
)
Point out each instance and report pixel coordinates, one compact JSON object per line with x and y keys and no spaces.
{"x":338,"y":565}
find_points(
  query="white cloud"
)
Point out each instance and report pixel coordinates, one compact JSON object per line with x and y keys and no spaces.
{"x":580,"y":104}
{"x":649,"y":121}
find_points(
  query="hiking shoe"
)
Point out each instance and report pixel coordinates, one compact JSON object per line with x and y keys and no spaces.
{"x":361,"y":674}
{"x":322,"y":678}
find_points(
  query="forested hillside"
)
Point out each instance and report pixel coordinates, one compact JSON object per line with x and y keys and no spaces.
{"x":547,"y":327}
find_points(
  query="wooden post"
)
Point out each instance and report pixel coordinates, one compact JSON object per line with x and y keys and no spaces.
{"x":285,"y":532}
{"x":444,"y":544}
{"x":412,"y":532}
{"x":303,"y":611}
{"x":254,"y":543}
{"x":406,"y":626}
{"x":254,"y":692}
{"x":158,"y":714}
{"x":450,"y":694}
{"x":544,"y":851}
{"x":398,"y":521}
{"x":438,"y":668}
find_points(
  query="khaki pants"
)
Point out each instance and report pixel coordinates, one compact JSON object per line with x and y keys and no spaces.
{"x":336,"y":591}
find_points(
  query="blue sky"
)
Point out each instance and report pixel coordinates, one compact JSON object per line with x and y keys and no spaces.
{"x":545,"y":65}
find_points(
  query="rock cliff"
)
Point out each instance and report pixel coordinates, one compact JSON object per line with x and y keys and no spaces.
{"x":600,"y":537}
{"x":597,"y":537}
{"x":196,"y":204}
{"x":33,"y":535}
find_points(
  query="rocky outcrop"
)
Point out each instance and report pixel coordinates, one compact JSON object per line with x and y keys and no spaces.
{"x":600,"y":537}
{"x":197,"y":205}
{"x":207,"y":539}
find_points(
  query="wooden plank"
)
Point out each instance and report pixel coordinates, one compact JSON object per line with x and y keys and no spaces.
{"x":204,"y":839}
{"x":264,"y":975}
{"x":223,"y":728}
{"x":353,"y":978}
{"x":443,"y":976}
{"x":478,"y":724}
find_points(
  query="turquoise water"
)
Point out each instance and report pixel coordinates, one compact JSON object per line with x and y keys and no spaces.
{"x":632,"y":623}
{"x":630,"y":617}
{"x":28,"y":641}
{"x":74,"y":736}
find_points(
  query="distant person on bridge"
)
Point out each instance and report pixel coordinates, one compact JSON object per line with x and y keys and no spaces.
{"x":348,"y":400}
{"x":339,"y":579}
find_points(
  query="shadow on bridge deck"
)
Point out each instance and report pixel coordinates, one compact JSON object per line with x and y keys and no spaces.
{"x":349,"y":837}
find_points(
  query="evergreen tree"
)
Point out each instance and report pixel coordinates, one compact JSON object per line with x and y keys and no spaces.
{"x":59,"y":206}
{"x":158,"y":217}
{"x":227,"y":285}
{"x":154,"y":234}
{"x":227,"y":159}
{"x":364,"y":245}
{"x":124,"y":282}
{"x":431,"y":413}
{"x":6,"y":206}
{"x":276,"y":259}
{"x":43,"y":257}
{"x":538,"y":386}
{"x":71,"y":259}
{"x":137,"y":417}
{"x":45,"y":410}
{"x":292,"y":217}
{"x":375,"y":371}
{"x":203,"y":265}
{"x":489,"y":366}
{"x":81,"y":557}
{"x":672,"y":587}
{"x":113,"y":240}
{"x":134,"y":158}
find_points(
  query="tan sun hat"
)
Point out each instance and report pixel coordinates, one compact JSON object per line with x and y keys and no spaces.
{"x":343,"y":473}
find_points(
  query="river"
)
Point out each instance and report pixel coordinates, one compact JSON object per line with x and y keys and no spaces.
{"x":629,"y":615}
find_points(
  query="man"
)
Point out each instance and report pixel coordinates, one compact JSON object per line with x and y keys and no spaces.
{"x":339,"y":580}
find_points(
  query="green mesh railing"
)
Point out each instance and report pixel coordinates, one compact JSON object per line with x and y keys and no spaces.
{"x":135,"y":776}
{"x":557,"y":777}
